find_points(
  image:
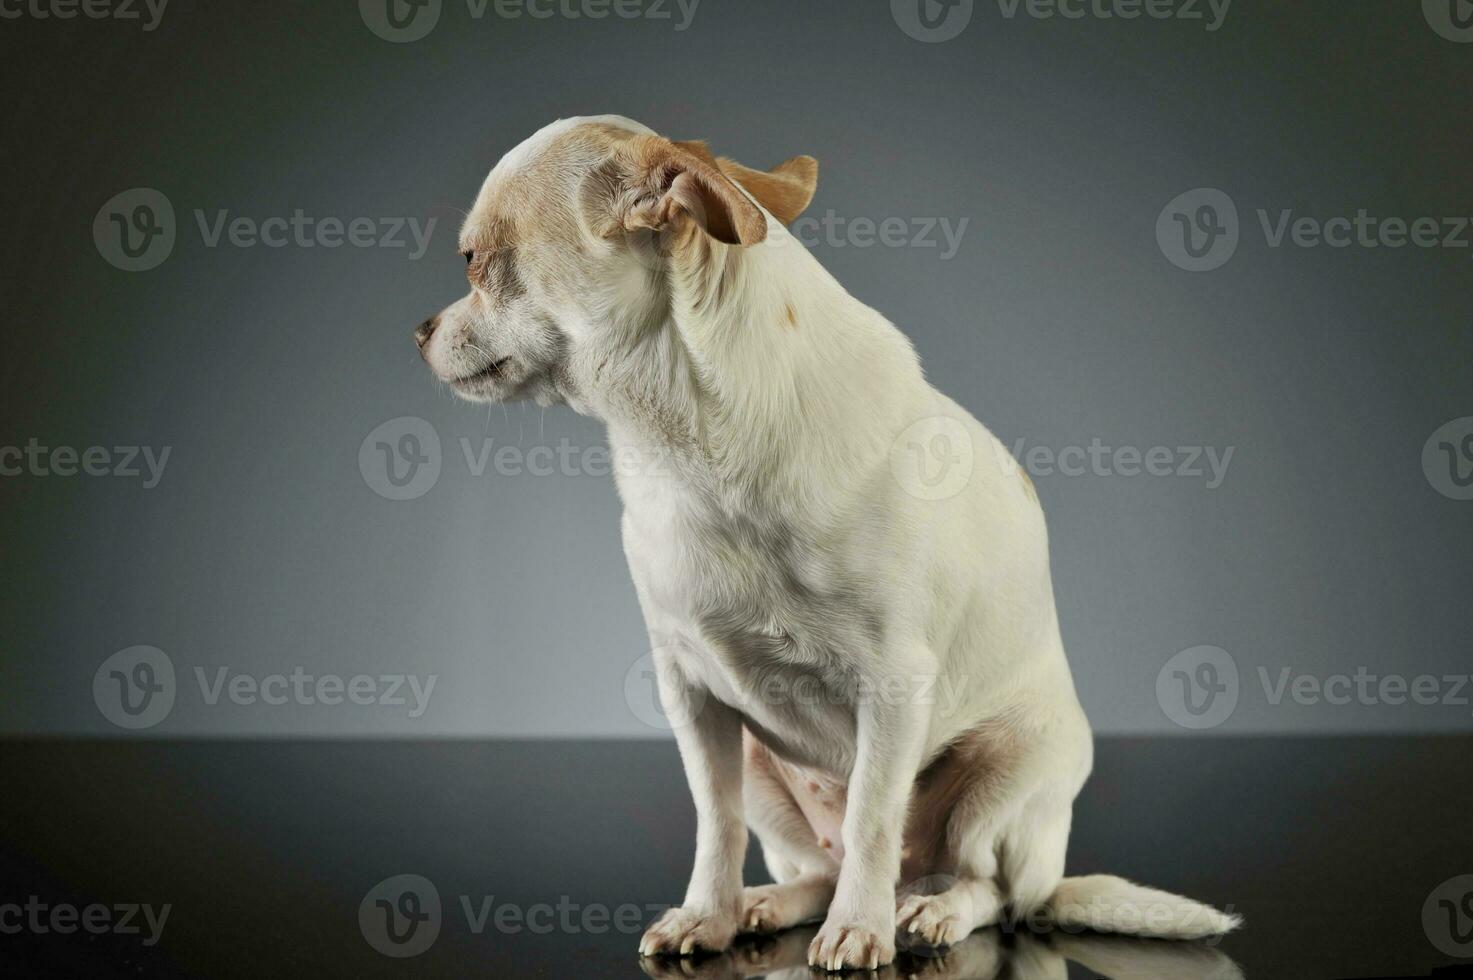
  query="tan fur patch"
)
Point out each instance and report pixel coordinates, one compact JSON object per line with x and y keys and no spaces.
{"x":786,"y":190}
{"x":697,"y":149}
{"x":699,"y":189}
{"x":697,"y":183}
{"x":511,"y":204}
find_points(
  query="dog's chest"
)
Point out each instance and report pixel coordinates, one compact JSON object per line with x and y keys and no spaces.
{"x":757,"y":614}
{"x":734,"y":582}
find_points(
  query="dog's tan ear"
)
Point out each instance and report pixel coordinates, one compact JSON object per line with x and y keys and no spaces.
{"x":786,"y":190}
{"x":690,"y":185}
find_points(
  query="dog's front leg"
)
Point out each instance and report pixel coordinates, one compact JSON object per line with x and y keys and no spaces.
{"x":859,"y":932}
{"x":709,"y":734}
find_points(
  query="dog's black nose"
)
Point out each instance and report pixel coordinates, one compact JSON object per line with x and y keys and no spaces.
{"x":425,"y":331}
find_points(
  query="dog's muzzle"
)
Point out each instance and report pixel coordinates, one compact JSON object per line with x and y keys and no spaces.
{"x":424,"y":332}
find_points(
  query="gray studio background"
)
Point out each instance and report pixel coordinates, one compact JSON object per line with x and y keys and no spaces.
{"x":1058,"y":321}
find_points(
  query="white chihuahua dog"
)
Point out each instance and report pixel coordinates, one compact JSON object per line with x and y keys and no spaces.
{"x":807,"y":589}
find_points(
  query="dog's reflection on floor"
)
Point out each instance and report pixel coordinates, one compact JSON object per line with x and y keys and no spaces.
{"x":984,"y":955}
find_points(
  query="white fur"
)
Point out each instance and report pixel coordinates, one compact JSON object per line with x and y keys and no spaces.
{"x":774,"y":549}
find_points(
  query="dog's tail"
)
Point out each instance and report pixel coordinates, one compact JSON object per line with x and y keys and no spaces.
{"x":1104,"y":903}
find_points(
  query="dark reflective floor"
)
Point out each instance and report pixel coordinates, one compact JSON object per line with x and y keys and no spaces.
{"x":545,"y":860}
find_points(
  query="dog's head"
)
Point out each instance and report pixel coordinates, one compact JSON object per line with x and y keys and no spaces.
{"x":573,"y":234}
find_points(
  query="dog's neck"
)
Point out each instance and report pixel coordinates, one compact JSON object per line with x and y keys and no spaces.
{"x":760,"y":374}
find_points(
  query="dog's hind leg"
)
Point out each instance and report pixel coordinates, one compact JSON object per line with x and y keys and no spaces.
{"x":804,"y":871}
{"x":1007,"y":874}
{"x":1003,"y":817}
{"x":961,"y":893}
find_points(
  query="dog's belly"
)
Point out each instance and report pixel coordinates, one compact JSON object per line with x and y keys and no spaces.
{"x":820,"y":796}
{"x":958,"y":774}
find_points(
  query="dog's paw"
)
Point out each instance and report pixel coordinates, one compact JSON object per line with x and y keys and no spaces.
{"x":852,"y":946}
{"x":681,"y":931}
{"x":772,"y":908}
{"x":762,"y":910}
{"x":931,"y":919}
